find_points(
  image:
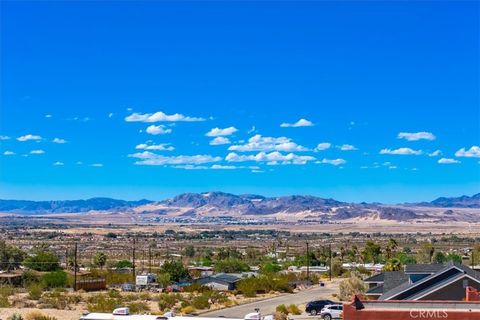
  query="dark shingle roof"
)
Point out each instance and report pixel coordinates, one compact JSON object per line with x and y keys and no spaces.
{"x":376,"y":290}
{"x":424,"y":268}
{"x":393,"y":279}
{"x":375,"y":278}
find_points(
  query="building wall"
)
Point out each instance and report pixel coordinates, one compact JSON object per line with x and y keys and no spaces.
{"x":454,"y":291}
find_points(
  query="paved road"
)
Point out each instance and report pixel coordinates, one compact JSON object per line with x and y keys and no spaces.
{"x":268,"y":306}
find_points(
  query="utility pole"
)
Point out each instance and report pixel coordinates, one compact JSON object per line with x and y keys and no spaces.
{"x":133,"y":259}
{"x":308,"y":263}
{"x":149,"y":259}
{"x":330,"y":261}
{"x":75,"y":269}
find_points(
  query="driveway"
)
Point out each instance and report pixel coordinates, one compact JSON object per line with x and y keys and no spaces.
{"x":268,"y":306}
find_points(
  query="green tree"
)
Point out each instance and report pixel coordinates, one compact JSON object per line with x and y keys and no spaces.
{"x":175,"y":269}
{"x":425,"y":252}
{"x":10,"y":256}
{"x":439,"y":257}
{"x":393,"y":264}
{"x":390,"y":248}
{"x":371,"y":252}
{"x":100,"y":259}
{"x":164,"y":279}
{"x":42,"y":261}
{"x":231,"y":265}
{"x":270,"y":267}
{"x":123,"y":264}
{"x":337,"y":268}
{"x":190,"y":251}
{"x":55,"y":279}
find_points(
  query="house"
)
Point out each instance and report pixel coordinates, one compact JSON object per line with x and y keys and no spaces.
{"x":221,"y":281}
{"x":201,"y":271}
{"x":424,"y":282}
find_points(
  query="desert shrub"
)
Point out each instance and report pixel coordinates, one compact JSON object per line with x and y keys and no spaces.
{"x":167,"y":301}
{"x":138,"y":307}
{"x":29,"y":277}
{"x":54,"y":299}
{"x":231,"y":265}
{"x":55,"y":279}
{"x":103,"y":303}
{"x":351,"y":286}
{"x":280,"y":316}
{"x":4,"y":303}
{"x":248,"y":287}
{"x":35,"y":291}
{"x":187,"y":310}
{"x":145,"y":296}
{"x":6,"y":290}
{"x":201,"y":302}
{"x":34,"y":315}
{"x":15,"y":316}
{"x":282,"y":309}
{"x":293,"y":309}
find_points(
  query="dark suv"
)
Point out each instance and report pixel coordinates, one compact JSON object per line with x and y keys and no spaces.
{"x":314,"y":307}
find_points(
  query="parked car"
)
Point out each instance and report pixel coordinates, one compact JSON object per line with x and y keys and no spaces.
{"x":314,"y":307}
{"x":332,"y":311}
{"x":128,"y":287}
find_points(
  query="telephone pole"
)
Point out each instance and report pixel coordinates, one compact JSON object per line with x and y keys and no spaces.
{"x":308,"y":263}
{"x":133,"y":259}
{"x":75,"y":269}
{"x":149,"y":259}
{"x":330,"y":261}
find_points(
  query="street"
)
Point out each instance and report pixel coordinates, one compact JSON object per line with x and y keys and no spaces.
{"x":268,"y":306}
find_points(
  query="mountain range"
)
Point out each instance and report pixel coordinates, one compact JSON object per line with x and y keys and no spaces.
{"x":220,"y":203}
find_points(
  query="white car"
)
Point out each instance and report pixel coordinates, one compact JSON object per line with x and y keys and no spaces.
{"x":332,"y":311}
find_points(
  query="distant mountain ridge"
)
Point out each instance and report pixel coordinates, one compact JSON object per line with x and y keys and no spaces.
{"x":227,"y":204}
{"x":456,"y":202}
{"x":67,"y":206}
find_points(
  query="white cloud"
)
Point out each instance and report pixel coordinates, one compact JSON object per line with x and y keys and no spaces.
{"x":252,"y":130}
{"x":153,"y":159}
{"x":272,"y":158}
{"x":347,"y":147}
{"x":392,"y":167}
{"x":158,"y":147}
{"x":323,"y":146}
{"x":160,"y":117}
{"x":4,"y":138}
{"x":300,"y":123}
{"x":110,"y":114}
{"x":8,"y":153}
{"x":334,"y":162}
{"x":259,"y":143}
{"x":447,"y":161}
{"x":414,"y":136}
{"x":401,"y":151}
{"x":79,"y":163}
{"x":28,"y":137}
{"x":58,"y":163}
{"x":435,"y":153}
{"x":219,"y":141}
{"x":48,"y":116}
{"x":156,"y":130}
{"x":59,"y":140}
{"x":37,"y":152}
{"x":98,"y":165}
{"x":218,"y":132}
{"x":473,"y":152}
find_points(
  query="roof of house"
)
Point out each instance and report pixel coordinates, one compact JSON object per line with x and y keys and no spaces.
{"x":377,"y":290}
{"x":450,"y":272}
{"x":424,"y":268}
{"x":375,"y":278}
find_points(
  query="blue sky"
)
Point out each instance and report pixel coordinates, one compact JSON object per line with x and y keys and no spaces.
{"x":388,"y":93}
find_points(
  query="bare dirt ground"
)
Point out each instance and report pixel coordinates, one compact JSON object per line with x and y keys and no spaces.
{"x":59,"y":314}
